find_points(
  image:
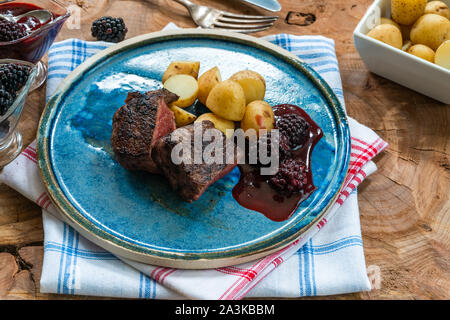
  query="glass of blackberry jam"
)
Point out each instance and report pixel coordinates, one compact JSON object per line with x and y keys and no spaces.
{"x":29,"y":39}
{"x":10,"y":111}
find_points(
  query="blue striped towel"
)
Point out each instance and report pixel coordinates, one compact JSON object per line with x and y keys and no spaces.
{"x":330,"y":260}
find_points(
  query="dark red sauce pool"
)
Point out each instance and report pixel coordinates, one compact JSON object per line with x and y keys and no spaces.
{"x":31,"y":47}
{"x":253,"y":190}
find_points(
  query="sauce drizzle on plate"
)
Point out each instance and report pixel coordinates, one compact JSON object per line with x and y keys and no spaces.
{"x":253,"y":190}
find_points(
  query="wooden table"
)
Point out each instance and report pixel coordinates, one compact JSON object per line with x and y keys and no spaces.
{"x":404,"y":207}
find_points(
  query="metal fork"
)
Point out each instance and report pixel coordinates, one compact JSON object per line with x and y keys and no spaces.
{"x":210,"y":18}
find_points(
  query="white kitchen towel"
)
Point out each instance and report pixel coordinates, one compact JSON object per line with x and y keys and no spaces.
{"x":328,"y":260}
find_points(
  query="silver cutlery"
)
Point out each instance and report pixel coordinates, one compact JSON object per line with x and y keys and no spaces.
{"x":210,"y":18}
{"x":271,"y":5}
{"x":41,"y":15}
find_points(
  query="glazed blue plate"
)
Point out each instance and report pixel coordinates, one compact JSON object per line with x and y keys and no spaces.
{"x":136,"y":215}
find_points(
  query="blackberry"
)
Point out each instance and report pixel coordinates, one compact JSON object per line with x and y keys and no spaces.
{"x":290,"y":178}
{"x":14,"y":76}
{"x":10,"y":31}
{"x":283,"y":148}
{"x":6,"y":100}
{"x":109,"y":29}
{"x":295,"y":128}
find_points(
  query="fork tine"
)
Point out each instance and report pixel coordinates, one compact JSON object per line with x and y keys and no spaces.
{"x":244,"y":16}
{"x":226,"y":19}
{"x":243,"y":30}
{"x":242,"y":26}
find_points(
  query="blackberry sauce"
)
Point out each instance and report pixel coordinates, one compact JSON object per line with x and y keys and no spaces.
{"x":28,"y":47}
{"x":257,"y":192}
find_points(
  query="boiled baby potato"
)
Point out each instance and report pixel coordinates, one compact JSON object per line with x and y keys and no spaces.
{"x":388,"y":34}
{"x":182,"y":117}
{"x":206,"y":82}
{"x":442,"y":57}
{"x":258,"y":115}
{"x":227,"y":100}
{"x":182,"y":67}
{"x":431,"y":30}
{"x":438,"y":7}
{"x":407,"y":11}
{"x":389,"y":21}
{"x":253,"y":84}
{"x":403,"y":29}
{"x":219,"y":123}
{"x":422,"y":51}
{"x":186,"y":87}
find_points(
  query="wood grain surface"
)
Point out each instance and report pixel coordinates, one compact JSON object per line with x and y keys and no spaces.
{"x":404,"y":207}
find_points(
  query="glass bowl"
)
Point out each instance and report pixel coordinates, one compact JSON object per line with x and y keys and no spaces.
{"x":10,"y":137}
{"x":36,"y":43}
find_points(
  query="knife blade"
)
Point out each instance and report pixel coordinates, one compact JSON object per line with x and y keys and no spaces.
{"x":271,"y":5}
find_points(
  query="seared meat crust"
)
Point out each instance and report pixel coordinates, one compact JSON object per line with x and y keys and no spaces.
{"x":138,"y":125}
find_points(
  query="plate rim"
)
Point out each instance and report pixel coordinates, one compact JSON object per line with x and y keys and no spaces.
{"x":188,"y":260}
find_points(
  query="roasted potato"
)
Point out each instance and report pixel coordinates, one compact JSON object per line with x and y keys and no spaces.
{"x":182,"y":67}
{"x":422,"y":51}
{"x":438,"y":7}
{"x":442,"y":57}
{"x":258,"y":115}
{"x":407,"y":11}
{"x":206,"y":82}
{"x":224,"y":125}
{"x":227,"y":100}
{"x":182,"y":117}
{"x":253,"y":84}
{"x":185,"y":86}
{"x":431,"y":30}
{"x":388,"y":34}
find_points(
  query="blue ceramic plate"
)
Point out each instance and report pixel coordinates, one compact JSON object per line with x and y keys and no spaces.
{"x":136,"y":215}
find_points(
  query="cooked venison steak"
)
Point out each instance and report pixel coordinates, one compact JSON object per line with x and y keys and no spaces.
{"x":191,"y":180}
{"x":138,"y":125}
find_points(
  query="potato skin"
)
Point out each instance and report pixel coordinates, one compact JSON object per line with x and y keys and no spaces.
{"x":442,"y":57}
{"x":182,"y":117}
{"x":389,"y":21}
{"x":258,"y":115}
{"x":182,"y":67}
{"x":438,"y":7}
{"x":405,"y":30}
{"x":388,"y":34}
{"x":206,"y":82}
{"x":227,"y":100}
{"x":422,"y":51}
{"x":407,"y":11}
{"x":253,"y":84}
{"x":219,"y":123}
{"x":431,"y":30}
{"x":185,"y":86}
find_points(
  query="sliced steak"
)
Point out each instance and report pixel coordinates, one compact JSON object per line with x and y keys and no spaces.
{"x":191,"y":180}
{"x":138,"y":125}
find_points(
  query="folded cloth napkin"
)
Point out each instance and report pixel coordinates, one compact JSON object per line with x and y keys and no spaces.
{"x":328,"y":260}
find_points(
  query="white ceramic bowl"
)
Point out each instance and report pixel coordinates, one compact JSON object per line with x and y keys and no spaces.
{"x":401,"y":67}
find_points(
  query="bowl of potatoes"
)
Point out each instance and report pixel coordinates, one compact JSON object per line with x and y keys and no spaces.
{"x":408,"y":42}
